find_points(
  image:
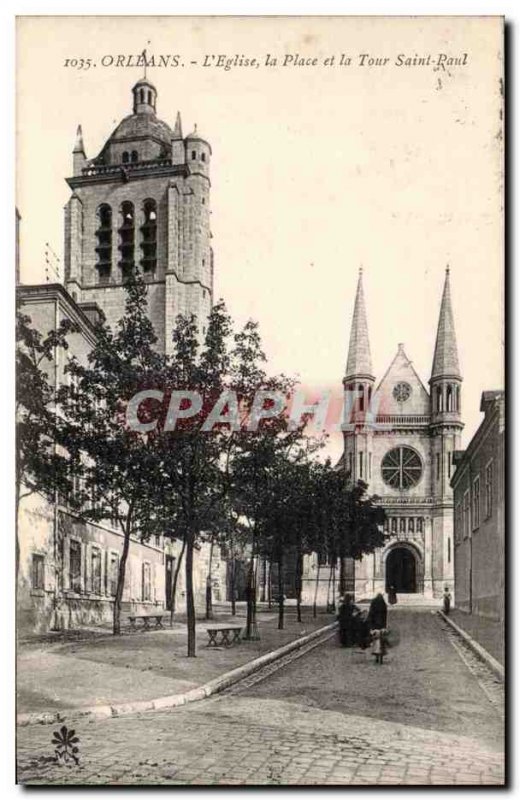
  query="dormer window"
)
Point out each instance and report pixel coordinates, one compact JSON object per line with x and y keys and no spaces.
{"x":203,"y":156}
{"x":125,"y":158}
{"x":193,"y":155}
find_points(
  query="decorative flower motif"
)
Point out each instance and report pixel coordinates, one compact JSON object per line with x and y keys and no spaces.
{"x":66,"y":745}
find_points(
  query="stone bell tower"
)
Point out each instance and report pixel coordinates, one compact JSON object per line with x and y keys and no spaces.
{"x":143,"y":203}
{"x":445,"y":427}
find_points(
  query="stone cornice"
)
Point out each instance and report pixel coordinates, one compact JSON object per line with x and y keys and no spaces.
{"x":55,"y":291}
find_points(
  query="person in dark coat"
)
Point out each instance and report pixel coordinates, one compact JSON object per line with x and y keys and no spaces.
{"x":392,"y":596}
{"x":348,"y":618}
{"x":377,"y":613}
{"x":446,"y":600}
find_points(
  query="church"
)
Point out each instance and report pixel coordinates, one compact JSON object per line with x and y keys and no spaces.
{"x":399,"y":438}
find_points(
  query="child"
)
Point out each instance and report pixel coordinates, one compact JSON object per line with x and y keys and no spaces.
{"x":446,"y":600}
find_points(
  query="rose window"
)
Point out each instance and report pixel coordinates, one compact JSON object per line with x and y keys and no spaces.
{"x":401,"y":468}
{"x":402,"y":392}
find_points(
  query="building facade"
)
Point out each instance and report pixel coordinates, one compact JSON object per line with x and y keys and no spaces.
{"x":399,"y":438}
{"x":479,"y":515}
{"x":142,"y":203}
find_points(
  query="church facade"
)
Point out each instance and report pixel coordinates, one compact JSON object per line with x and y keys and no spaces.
{"x":399,"y":438}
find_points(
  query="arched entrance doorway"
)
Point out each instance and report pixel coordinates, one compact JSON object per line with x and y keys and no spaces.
{"x":401,"y":570}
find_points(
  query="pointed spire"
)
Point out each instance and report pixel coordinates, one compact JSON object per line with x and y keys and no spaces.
{"x":79,"y":146}
{"x":359,"y":361}
{"x":445,"y":358}
{"x":177,"y":131}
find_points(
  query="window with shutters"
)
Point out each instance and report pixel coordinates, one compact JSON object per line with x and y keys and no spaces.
{"x":95,"y":570}
{"x":476,"y":503}
{"x":113,"y":571}
{"x":489,"y":489}
{"x":38,"y":576}
{"x":75,"y":565}
{"x":466,"y":524}
{"x":147,"y":582}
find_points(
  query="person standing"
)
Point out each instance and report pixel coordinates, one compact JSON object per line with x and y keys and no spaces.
{"x":392,"y":596}
{"x":377,"y":613}
{"x":446,"y":600}
{"x":348,"y":616}
{"x":376,"y":621}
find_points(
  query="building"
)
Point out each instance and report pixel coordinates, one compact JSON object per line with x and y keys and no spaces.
{"x":143,"y":201}
{"x":400,"y":438}
{"x":478,"y":485}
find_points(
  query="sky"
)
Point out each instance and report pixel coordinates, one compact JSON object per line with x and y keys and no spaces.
{"x":316,"y":170}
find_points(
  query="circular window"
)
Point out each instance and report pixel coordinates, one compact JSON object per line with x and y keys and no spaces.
{"x":401,"y":468}
{"x":402,"y":392}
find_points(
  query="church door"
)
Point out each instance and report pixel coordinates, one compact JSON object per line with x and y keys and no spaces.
{"x":401,"y":570}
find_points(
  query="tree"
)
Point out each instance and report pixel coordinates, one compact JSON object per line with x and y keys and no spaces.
{"x":113,"y":463}
{"x":40,"y":464}
{"x":191,"y":485}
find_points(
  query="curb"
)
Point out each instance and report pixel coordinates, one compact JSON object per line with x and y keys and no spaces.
{"x":174,"y":700}
{"x":477,"y":648}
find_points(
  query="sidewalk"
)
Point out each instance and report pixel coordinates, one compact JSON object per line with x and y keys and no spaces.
{"x":487,"y":632}
{"x":92,"y":667}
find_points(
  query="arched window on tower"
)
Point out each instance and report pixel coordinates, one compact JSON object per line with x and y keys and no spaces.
{"x":135,"y":157}
{"x":126,"y":238}
{"x":361,"y":397}
{"x":125,"y":157}
{"x":457,"y":398}
{"x":149,"y":236}
{"x":438,"y":396}
{"x":104,"y":242}
{"x":141,"y":95}
{"x":449,"y":397}
{"x":149,"y":97}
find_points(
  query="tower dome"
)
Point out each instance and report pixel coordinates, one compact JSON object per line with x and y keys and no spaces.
{"x":140,"y":136}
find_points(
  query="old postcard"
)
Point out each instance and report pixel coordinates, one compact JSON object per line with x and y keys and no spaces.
{"x":260,"y":490}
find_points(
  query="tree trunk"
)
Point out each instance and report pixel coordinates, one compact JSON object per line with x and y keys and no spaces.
{"x":329,"y":585}
{"x":270,"y":589}
{"x":209,"y":587}
{"x":299,"y":572}
{"x":121,"y":582}
{"x":232,"y":586}
{"x":314,"y":605}
{"x":175,"y":580}
{"x":334,"y":586}
{"x":190,"y":602}
{"x":342,"y":578}
{"x":251,"y":598}
{"x":281,"y":607}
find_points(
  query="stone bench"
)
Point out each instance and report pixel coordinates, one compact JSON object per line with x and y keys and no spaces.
{"x":226,"y":635}
{"x":147,"y":619}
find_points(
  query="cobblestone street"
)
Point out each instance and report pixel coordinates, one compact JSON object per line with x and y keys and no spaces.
{"x":426,"y":716}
